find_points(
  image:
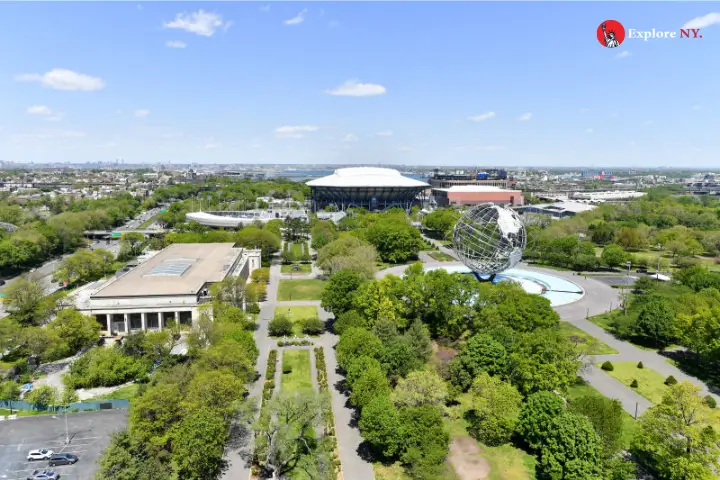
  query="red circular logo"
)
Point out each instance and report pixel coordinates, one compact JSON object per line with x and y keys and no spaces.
{"x":610,"y":33}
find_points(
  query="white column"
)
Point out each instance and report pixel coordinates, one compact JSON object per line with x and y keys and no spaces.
{"x":108,"y":321}
{"x":143,"y":321}
{"x":177,"y":320}
{"x":127,"y":324}
{"x":161,"y":319}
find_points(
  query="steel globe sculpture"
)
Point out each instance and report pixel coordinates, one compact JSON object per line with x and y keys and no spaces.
{"x":489,"y":239}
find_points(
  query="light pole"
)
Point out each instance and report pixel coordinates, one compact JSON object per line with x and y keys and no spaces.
{"x":67,"y":432}
{"x":627,"y":281}
{"x":657,"y":273}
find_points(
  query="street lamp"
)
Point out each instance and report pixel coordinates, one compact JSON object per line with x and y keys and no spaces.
{"x":627,"y":281}
{"x":657,"y":273}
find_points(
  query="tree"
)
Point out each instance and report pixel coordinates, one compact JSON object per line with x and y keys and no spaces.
{"x":260,"y":275}
{"x":217,"y":390}
{"x":420,"y":388}
{"x":370,"y":384}
{"x":9,"y":390}
{"x":24,"y":299}
{"x":263,"y":239}
{"x":10,"y":335}
{"x":230,"y":290}
{"x":340,"y":289}
{"x":45,"y":395}
{"x":398,"y":358}
{"x":198,"y":443}
{"x":572,"y":450}
{"x":440,"y":222}
{"x":425,"y":439}
{"x":508,"y":304}
{"x":128,"y":459}
{"x":494,"y":409}
{"x":357,"y":342}
{"x":84,"y":266}
{"x":656,"y":322}
{"x":322,"y":233}
{"x":606,"y":415}
{"x":418,"y":337}
{"x":227,"y":355}
{"x":613,"y":255}
{"x":543,"y":360}
{"x":349,"y":319}
{"x":290,"y":416}
{"x":78,"y":331}
{"x":380,"y":426}
{"x":348,"y":252}
{"x":155,"y":412}
{"x":677,"y":438}
{"x":395,"y":242}
{"x":280,"y":326}
{"x":481,"y":353}
{"x":536,"y":416}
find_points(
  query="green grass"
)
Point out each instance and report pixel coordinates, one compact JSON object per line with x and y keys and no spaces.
{"x":585,"y":342}
{"x":125,"y":393}
{"x":297,"y":313}
{"x":149,"y":221}
{"x":394,"y":471}
{"x":303,"y":268}
{"x":582,"y":389}
{"x":650,"y":383}
{"x":509,"y":463}
{"x":298,"y":380}
{"x":309,"y":289}
{"x":295,"y":250}
{"x":442,"y":257}
{"x":25,"y":413}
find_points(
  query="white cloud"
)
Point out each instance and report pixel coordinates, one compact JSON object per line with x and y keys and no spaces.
{"x":704,"y":21}
{"x":62,"y":79}
{"x":40,"y":110}
{"x":623,"y":54}
{"x":385,"y":133}
{"x":297,"y":19}
{"x":405,"y":148}
{"x":200,"y":23}
{"x":212,"y":146}
{"x":142,"y":113}
{"x":294,"y":131}
{"x":353,"y":88}
{"x":482,"y":117}
{"x":175,"y":44}
{"x":350,"y":137}
{"x":525,"y":117}
{"x":589,"y":130}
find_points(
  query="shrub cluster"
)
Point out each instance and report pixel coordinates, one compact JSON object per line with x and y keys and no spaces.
{"x":294,"y":343}
{"x":608,"y":366}
{"x":312,"y":326}
{"x":670,"y":381}
{"x":710,"y":401}
{"x":322,"y":370}
{"x":328,"y":417}
{"x":269,"y":386}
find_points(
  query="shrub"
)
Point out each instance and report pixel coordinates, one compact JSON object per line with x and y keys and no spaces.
{"x":287,"y":369}
{"x":608,"y":366}
{"x":312,"y":326}
{"x":253,"y":308}
{"x":271,"y":366}
{"x":105,"y":367}
{"x":640,"y":365}
{"x":710,"y":401}
{"x":348,"y":319}
{"x":634,"y":384}
{"x":670,"y":381}
{"x":280,"y":326}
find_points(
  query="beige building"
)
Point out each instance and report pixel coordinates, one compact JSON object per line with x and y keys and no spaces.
{"x":170,"y":286}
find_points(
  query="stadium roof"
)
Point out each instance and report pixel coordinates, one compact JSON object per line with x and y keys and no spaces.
{"x":180,"y":269}
{"x":473,"y":189}
{"x":366,"y":177}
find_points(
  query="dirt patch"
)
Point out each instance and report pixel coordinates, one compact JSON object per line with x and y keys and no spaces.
{"x":467,"y":460}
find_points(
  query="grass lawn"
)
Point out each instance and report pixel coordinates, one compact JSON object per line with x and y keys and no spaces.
{"x":303,"y":268}
{"x":509,"y":463}
{"x":650,"y":383}
{"x":585,"y":342}
{"x":442,"y":257}
{"x":124,"y":393}
{"x":24,"y":413}
{"x":309,"y":289}
{"x":297,"y":313}
{"x":582,"y":389}
{"x":149,"y":221}
{"x":295,"y":250}
{"x":395,"y":471}
{"x":298,"y":379}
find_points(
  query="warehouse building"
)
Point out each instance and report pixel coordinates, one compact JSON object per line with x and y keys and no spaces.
{"x":476,"y":194}
{"x":169,"y":286}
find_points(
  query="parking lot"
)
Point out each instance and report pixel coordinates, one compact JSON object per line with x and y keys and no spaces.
{"x":89,"y":436}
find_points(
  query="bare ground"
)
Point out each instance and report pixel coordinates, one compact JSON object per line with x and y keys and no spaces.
{"x":467,"y":460}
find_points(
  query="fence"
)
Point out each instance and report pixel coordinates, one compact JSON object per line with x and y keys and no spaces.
{"x":73,"y":407}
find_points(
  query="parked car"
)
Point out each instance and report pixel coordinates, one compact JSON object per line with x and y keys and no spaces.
{"x":62,"y":459}
{"x":54,"y":280}
{"x":2,"y":282}
{"x":43,"y":475}
{"x":41,"y":454}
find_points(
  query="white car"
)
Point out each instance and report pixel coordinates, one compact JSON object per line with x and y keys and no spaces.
{"x":42,"y":454}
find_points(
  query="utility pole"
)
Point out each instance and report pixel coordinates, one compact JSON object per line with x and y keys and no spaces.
{"x":657,"y":274}
{"x":627,"y":281}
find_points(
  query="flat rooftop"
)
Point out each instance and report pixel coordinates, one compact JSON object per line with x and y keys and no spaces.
{"x":180,"y":269}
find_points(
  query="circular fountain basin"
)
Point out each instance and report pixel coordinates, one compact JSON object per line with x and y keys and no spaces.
{"x":557,"y":290}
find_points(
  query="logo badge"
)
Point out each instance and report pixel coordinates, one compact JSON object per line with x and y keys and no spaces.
{"x":610,"y":33}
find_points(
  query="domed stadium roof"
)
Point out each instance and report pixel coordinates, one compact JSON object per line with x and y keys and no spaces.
{"x":366,"y":177}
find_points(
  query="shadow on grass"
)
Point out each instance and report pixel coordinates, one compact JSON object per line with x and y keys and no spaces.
{"x":691,"y":364}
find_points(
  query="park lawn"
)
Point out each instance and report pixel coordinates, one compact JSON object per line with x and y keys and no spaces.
{"x":296,"y":314}
{"x":651,"y":384}
{"x":125,"y":393}
{"x":303,"y":268}
{"x":442,"y":257}
{"x":298,"y":380}
{"x":295,"y":250}
{"x":582,"y":389}
{"x":585,"y":342}
{"x":509,"y":463}
{"x":307,"y":289}
{"x":25,"y":413}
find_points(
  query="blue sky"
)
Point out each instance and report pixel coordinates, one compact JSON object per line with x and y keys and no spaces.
{"x":471,"y":83}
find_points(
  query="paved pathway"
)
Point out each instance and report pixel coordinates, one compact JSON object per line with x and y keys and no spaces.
{"x":348,"y":437}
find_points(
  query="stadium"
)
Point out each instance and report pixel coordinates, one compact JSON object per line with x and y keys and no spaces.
{"x":365,"y":187}
{"x":237,"y":219}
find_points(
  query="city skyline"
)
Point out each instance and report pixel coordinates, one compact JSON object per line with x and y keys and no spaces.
{"x":358,"y":83}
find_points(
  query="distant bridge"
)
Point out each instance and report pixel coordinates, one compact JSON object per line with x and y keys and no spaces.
{"x":119,"y":233}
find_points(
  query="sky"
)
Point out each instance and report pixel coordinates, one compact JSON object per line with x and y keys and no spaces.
{"x":427,"y":83}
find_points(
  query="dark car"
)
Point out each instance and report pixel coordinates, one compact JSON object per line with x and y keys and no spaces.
{"x":62,"y":459}
{"x":43,"y":475}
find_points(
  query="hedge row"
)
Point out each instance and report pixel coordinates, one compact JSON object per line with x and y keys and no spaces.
{"x":321,"y":369}
{"x":294,"y":343}
{"x":328,"y":417}
{"x":269,"y":386}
